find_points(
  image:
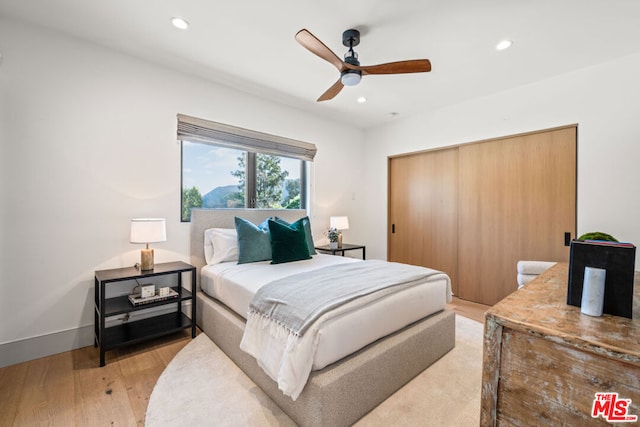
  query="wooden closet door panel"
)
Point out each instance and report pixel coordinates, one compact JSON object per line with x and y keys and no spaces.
{"x":400,"y":212}
{"x":517,"y":198}
{"x":423,"y":209}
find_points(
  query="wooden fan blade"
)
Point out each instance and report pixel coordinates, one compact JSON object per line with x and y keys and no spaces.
{"x":332,"y":91}
{"x":315,"y":46}
{"x":400,"y":67}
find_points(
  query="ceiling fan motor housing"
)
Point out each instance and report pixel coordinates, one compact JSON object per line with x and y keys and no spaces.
{"x":351,"y":57}
{"x":351,"y":38}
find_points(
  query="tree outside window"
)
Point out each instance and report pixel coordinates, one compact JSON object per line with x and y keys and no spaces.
{"x":211,"y":180}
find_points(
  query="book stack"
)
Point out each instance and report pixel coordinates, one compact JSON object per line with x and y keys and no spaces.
{"x":137,"y":299}
{"x":618,"y":259}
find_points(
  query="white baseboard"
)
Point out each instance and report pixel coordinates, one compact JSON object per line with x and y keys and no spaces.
{"x":45,"y":345}
{"x":58,"y":342}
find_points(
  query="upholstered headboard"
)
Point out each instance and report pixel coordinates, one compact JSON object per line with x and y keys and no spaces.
{"x":203,"y":219}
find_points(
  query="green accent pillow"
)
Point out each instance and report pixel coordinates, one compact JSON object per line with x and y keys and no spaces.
{"x":288,"y":243}
{"x":254,"y":243}
{"x":307,"y":231}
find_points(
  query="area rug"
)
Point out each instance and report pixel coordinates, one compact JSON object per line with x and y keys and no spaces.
{"x":201,"y":386}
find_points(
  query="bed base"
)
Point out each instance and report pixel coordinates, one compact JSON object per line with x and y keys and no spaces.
{"x":343,"y":392}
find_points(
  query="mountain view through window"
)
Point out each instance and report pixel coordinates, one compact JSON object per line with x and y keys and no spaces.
{"x":216,"y":177}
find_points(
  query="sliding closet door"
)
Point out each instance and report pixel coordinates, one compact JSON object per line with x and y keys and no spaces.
{"x":423,"y":211}
{"x":517,"y":198}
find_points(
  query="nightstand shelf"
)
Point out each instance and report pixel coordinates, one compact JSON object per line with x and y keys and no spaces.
{"x":121,"y":304}
{"x":145,"y":329}
{"x":154,"y":325}
{"x":342,"y":249}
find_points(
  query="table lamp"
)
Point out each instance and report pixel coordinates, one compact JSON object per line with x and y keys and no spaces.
{"x":340,"y":223}
{"x":147,"y":230}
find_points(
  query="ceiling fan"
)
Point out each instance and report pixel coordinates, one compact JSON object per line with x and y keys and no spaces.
{"x":351,"y":71}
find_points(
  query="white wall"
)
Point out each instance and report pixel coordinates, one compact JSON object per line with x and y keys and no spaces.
{"x":603,"y":100}
{"x":88,"y":142}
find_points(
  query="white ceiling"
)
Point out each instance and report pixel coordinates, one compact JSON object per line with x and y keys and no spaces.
{"x":250,"y":45}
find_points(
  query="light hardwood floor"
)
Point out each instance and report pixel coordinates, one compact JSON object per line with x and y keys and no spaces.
{"x":69,"y":389}
{"x":471,"y":310}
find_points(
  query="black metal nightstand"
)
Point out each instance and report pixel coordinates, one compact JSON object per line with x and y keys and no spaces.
{"x":109,"y":338}
{"x":341,"y":250}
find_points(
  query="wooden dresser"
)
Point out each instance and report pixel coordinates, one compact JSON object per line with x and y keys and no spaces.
{"x":544,"y":360}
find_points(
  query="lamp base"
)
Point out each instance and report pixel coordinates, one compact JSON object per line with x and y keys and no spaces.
{"x":146,"y":259}
{"x":339,"y":240}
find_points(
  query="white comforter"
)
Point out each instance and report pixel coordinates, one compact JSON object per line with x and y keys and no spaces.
{"x":286,"y":356}
{"x":341,"y":333}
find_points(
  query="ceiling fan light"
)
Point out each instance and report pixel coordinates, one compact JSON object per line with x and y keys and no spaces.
{"x":350,"y":78}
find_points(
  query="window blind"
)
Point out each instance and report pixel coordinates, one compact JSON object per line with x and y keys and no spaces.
{"x":209,"y":132}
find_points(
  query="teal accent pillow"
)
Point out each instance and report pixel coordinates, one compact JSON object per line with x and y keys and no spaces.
{"x":288,"y":243}
{"x":254,"y":243}
{"x":307,"y":231}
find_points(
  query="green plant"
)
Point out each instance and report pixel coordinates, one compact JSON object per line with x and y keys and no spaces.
{"x":191,"y":198}
{"x":598,"y":235}
{"x":333,"y":234}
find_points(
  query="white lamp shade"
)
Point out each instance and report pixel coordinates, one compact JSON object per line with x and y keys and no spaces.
{"x":339,"y":222}
{"x":148,"y":230}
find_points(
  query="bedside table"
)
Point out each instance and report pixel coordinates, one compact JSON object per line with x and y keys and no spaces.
{"x":345,"y":247}
{"x":154,"y":326}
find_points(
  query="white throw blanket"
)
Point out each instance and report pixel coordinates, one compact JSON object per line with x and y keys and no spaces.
{"x":274,"y":334}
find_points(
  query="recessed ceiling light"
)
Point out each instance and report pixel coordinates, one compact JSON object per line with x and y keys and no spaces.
{"x":361,"y":100}
{"x":179,"y":23}
{"x":504,"y":44}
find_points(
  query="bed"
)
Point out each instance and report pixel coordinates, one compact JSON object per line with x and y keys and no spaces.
{"x":352,"y":376}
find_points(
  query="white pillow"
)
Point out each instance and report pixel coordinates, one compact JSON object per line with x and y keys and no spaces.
{"x":220,"y":245}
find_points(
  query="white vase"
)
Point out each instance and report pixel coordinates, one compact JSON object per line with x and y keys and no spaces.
{"x":333,"y":245}
{"x":593,"y":291}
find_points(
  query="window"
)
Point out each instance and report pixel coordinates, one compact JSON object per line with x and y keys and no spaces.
{"x":227,"y":167}
{"x":219,"y":177}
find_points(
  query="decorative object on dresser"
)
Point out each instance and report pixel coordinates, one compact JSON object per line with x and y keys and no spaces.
{"x":108,"y":306}
{"x":545,"y":362}
{"x":339,"y":223}
{"x":617,"y":259}
{"x":147,"y":230}
{"x":593,"y":291}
